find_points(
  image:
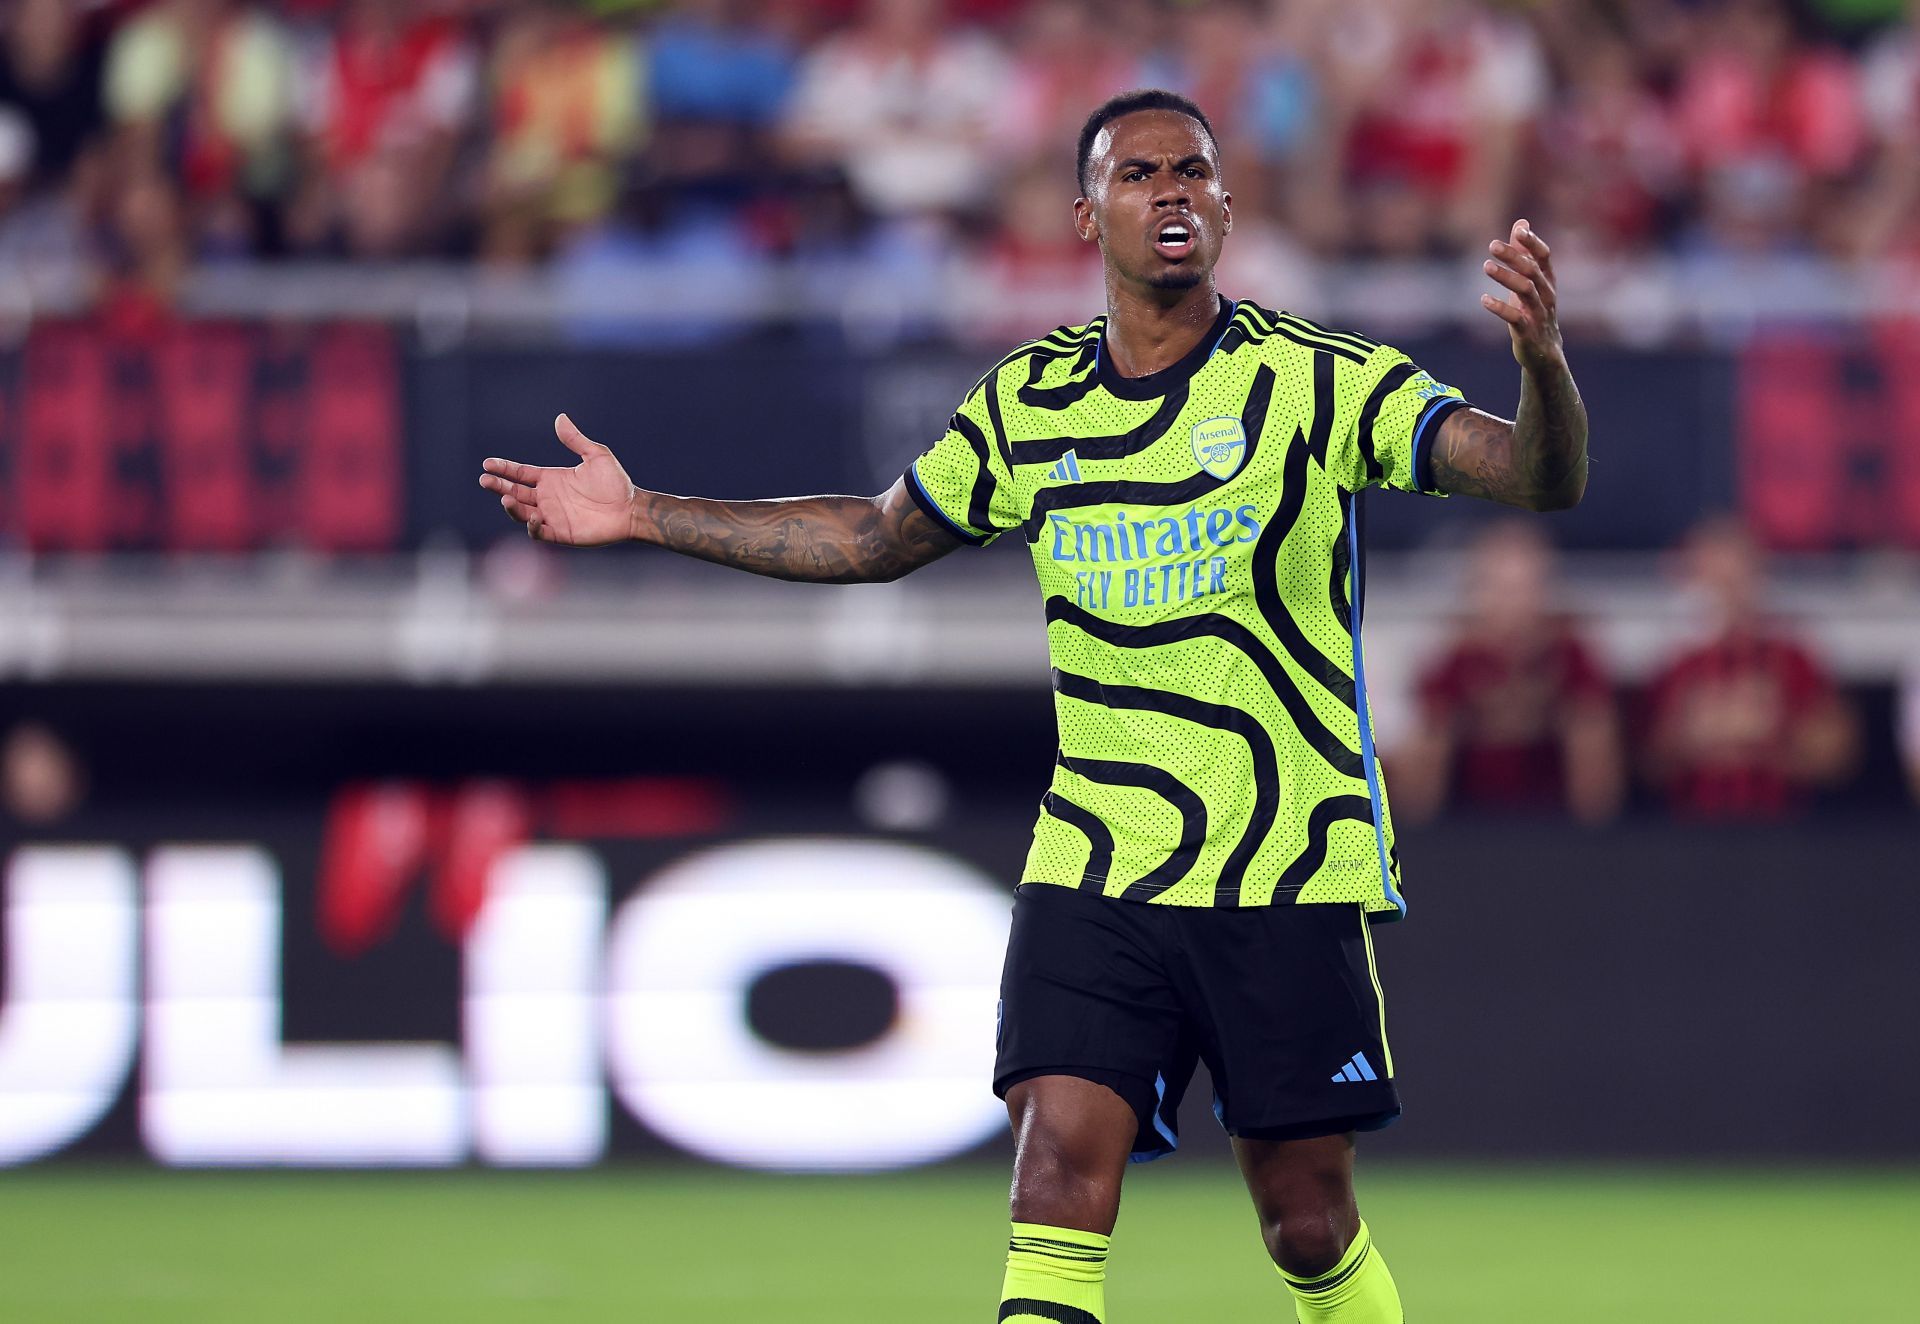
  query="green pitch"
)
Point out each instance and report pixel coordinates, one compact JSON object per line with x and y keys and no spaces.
{"x":665,"y":1245}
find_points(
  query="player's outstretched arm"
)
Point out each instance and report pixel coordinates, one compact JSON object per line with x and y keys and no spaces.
{"x":823,"y":539}
{"x":1538,"y":461}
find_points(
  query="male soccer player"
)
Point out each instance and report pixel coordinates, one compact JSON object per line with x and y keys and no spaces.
{"x":1215,"y":841}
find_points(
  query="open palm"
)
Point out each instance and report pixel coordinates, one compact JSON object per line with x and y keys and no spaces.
{"x":588,"y":505}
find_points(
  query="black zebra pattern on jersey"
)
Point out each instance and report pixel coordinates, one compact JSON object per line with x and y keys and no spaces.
{"x":1228,"y":631}
{"x":1220,"y":717}
{"x":1045,"y":450}
{"x":1099,"y":837}
{"x":1253,"y":324}
{"x":1305,"y":326}
{"x":1081,"y":378}
{"x":1395,"y":378}
{"x":1333,"y":809}
{"x":980,"y":498}
{"x":1253,"y":420}
{"x":1192,"y":810}
{"x":1342,"y":564}
{"x":1325,"y":405}
{"x":1266,"y":571}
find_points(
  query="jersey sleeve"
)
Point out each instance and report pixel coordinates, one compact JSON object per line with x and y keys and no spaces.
{"x":962,"y":481}
{"x":1392,"y":412}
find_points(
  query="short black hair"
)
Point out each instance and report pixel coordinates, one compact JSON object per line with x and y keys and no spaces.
{"x":1145,"y":98}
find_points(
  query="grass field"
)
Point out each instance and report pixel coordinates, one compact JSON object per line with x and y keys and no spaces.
{"x":1571,"y":1246}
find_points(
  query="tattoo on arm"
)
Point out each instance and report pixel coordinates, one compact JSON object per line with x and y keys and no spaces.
{"x":1538,"y":461}
{"x":819,"y":539}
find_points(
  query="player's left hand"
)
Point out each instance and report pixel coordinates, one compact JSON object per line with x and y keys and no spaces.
{"x":1523,"y":263}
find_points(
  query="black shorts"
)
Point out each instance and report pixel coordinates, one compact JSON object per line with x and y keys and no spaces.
{"x":1281,"y":1003}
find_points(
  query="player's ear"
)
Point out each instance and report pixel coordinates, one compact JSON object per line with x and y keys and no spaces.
{"x":1084,"y":224}
{"x":1226,"y":213}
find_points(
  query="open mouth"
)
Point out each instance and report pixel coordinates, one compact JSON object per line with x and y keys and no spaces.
{"x":1175,"y":239}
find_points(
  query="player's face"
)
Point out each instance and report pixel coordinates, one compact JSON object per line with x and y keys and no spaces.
{"x":1155,"y":203}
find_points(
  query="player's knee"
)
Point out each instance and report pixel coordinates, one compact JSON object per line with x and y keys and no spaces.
{"x":1056,"y":1182}
{"x":1307,"y":1244}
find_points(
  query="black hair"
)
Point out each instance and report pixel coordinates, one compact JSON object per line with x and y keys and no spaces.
{"x":1145,"y":98}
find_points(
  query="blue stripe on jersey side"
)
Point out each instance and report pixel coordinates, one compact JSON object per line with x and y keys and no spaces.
{"x":1364,"y":711}
{"x":921,"y":498}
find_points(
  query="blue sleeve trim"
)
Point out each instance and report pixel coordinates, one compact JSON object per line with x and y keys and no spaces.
{"x":1424,"y":433}
{"x":918,"y":492}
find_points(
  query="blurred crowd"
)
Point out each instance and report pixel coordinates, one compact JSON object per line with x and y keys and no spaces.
{"x":1518,"y":714}
{"x":139,"y":138}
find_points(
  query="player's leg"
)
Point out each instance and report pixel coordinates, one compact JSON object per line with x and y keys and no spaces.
{"x":1303,"y":1193}
{"x":1288,"y":1006}
{"x":1091,"y":1064}
{"x":1071,"y":1141}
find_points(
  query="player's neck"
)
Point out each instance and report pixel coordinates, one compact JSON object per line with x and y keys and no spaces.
{"x":1147,"y":332}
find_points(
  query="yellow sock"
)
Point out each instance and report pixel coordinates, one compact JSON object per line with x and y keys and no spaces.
{"x":1055,"y":1274}
{"x":1358,"y":1290}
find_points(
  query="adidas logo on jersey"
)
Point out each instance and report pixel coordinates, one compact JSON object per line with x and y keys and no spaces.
{"x":1357,"y":1068}
{"x":1067,"y":471}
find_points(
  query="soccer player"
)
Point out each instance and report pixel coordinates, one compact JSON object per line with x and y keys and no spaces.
{"x":1215,"y":843}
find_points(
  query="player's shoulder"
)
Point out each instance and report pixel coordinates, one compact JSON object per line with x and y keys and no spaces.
{"x":1276,"y":334}
{"x":1072,"y":345}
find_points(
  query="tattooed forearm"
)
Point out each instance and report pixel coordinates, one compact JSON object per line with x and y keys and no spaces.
{"x":821,"y":539}
{"x":1538,"y":461}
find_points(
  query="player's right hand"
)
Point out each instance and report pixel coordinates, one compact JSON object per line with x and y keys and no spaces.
{"x":589,"y":505}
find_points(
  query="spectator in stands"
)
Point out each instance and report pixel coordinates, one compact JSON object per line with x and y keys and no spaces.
{"x":907,"y":107}
{"x":720,"y":73}
{"x":1608,"y":165}
{"x":1515,"y":713}
{"x":1890,"y":218}
{"x":1771,"y":126}
{"x":619,"y":275}
{"x":1746,"y":725}
{"x":565,"y":96}
{"x":50,"y":74}
{"x":148,"y":252}
{"x":200,"y":92}
{"x":45,"y":248}
{"x":1048,"y":274}
{"x":394,"y":90}
{"x":1067,"y":59}
{"x":1438,"y":95}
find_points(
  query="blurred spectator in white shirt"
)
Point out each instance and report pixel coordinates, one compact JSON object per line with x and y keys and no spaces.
{"x":907,"y":107}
